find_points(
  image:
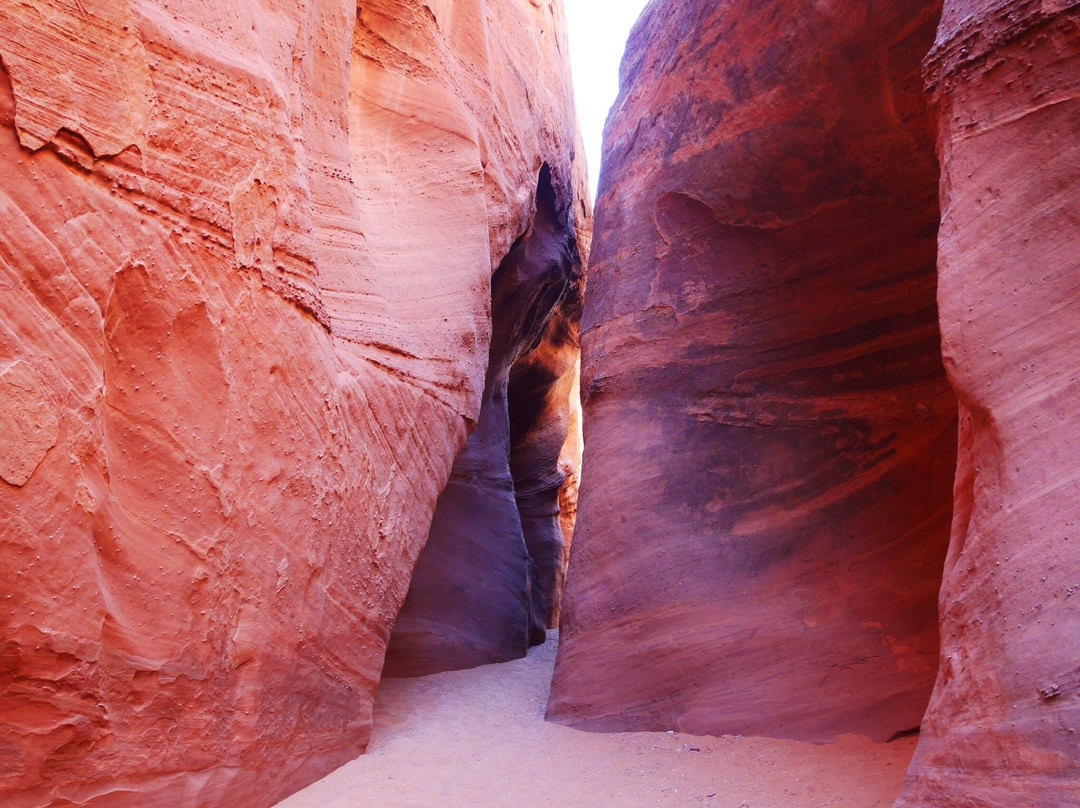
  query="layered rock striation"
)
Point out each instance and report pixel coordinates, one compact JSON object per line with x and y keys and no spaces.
{"x":769,"y":433}
{"x":1001,"y":729}
{"x":246,"y":266}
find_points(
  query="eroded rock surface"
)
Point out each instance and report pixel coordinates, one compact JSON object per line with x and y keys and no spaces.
{"x":245,"y":269}
{"x":28,"y":424}
{"x":482,"y":588}
{"x":1002,"y":727}
{"x":770,"y":437}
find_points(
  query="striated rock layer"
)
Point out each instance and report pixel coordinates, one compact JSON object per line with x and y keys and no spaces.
{"x":482,"y":586}
{"x":769,"y":433}
{"x":1003,"y":723}
{"x":245,"y":263}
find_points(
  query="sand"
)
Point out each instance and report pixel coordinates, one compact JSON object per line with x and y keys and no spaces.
{"x":477,"y":739}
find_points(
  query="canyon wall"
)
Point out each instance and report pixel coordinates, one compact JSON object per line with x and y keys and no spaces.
{"x":1001,"y":730}
{"x":770,"y":437}
{"x":246,"y":264}
{"x":769,"y":462}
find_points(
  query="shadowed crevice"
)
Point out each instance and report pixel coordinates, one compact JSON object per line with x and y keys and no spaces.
{"x":482,"y":588}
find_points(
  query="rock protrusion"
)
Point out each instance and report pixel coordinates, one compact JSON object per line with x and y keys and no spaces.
{"x":28,"y":424}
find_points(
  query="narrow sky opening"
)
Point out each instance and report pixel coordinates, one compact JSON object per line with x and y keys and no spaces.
{"x":598,"y":30}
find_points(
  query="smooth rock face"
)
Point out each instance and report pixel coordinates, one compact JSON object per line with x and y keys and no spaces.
{"x":482,"y":586}
{"x":245,"y":266}
{"x":1002,"y":727}
{"x":769,"y":434}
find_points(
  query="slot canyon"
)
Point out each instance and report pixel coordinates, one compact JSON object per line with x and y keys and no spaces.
{"x":321,"y":383}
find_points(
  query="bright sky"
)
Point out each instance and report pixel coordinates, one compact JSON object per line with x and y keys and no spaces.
{"x":598,"y":32}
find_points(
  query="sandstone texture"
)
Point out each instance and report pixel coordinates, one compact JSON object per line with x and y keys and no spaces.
{"x":482,"y":588}
{"x":1003,"y":723}
{"x":245,"y":265}
{"x":770,"y":437}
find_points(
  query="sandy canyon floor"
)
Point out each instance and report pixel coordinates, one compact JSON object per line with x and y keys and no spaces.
{"x":477,"y":739}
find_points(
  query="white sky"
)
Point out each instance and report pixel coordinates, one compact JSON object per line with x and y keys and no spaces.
{"x":598,"y":32}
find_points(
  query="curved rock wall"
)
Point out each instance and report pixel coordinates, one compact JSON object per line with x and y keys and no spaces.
{"x":769,"y":433}
{"x":1001,"y":730}
{"x":246,"y":263}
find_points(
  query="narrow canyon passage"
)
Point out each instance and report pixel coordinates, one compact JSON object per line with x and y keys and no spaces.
{"x":488,"y":582}
{"x":297,"y":365}
{"x":477,"y":739}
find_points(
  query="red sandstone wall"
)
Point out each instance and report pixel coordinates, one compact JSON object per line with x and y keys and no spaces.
{"x":245,"y":264}
{"x":769,"y":434}
{"x":1003,"y":723}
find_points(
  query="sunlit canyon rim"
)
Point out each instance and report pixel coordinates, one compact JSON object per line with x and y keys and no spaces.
{"x":293,"y":296}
